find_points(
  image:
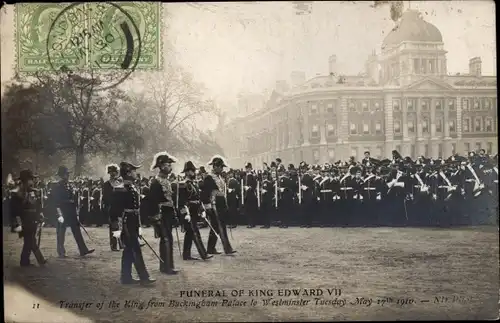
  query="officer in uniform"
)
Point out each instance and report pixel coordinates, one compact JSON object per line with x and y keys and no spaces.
{"x":124,"y":211}
{"x":107,"y":192}
{"x":213,"y":198}
{"x":65,"y":203}
{"x":190,"y":207}
{"x":163,"y":209}
{"x":26,"y":213}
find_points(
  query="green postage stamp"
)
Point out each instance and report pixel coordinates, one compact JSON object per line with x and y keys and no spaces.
{"x":88,"y":36}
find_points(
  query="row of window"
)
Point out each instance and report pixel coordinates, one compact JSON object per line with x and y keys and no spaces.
{"x":375,"y":127}
{"x":411,"y":105}
{"x":469,"y":104}
{"x":425,"y":104}
{"x":480,"y":124}
{"x":411,"y":124}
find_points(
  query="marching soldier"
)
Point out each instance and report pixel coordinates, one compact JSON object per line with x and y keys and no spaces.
{"x":249,"y":193}
{"x":124,"y":211}
{"x":189,"y":206}
{"x":107,"y":192}
{"x":163,"y":209}
{"x":64,"y":199}
{"x":26,"y":213}
{"x":215,"y":203}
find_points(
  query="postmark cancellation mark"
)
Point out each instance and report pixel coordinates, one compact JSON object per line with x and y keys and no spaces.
{"x":74,"y":33}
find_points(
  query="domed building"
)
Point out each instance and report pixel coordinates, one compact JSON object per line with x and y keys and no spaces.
{"x":404,"y":100}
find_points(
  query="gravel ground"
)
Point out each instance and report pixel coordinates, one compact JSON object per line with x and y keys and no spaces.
{"x":371,"y":273}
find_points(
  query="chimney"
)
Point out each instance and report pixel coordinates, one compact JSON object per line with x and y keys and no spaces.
{"x":298,"y":78}
{"x":372,"y":67}
{"x":475,"y":66}
{"x":332,"y":65}
{"x":281,"y":86}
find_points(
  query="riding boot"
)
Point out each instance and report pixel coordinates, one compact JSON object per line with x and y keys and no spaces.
{"x":163,"y":255}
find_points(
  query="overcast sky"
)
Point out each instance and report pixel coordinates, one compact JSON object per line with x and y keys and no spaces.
{"x":233,"y":47}
{"x":248,"y":46}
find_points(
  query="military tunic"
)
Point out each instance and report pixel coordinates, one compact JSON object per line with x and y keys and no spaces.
{"x":215,"y":203}
{"x":26,"y":212}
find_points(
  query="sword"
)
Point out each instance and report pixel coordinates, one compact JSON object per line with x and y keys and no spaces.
{"x":406,"y":212}
{"x":154,"y":252}
{"x":300,"y":189}
{"x":85,"y":230}
{"x":211,"y":228}
{"x":39,"y":234}
{"x":178,"y":241}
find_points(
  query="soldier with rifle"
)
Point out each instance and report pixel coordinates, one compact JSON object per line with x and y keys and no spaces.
{"x":215,"y":204}
{"x":163,"y":213}
{"x":190,"y":208}
{"x":124,"y":211}
{"x":27,"y":217}
{"x":66,"y":209}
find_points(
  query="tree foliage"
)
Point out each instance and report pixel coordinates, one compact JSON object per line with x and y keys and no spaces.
{"x":65,"y":113}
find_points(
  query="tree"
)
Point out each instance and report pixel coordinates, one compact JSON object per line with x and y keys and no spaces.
{"x":172,"y":103}
{"x":24,"y":125}
{"x":87,"y":118}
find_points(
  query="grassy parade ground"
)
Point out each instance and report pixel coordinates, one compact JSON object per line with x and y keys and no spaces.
{"x":278,"y":274}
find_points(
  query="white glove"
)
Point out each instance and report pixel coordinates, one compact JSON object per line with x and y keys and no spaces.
{"x":282,"y":189}
{"x":187,"y":218}
{"x":303,"y":187}
{"x":264,"y":191}
{"x":143,"y":196}
{"x":140,"y":231}
{"x":91,"y":198}
{"x":18,"y":229}
{"x":481,"y":166}
{"x":117,"y":234}
{"x":319,"y":199}
{"x":424,"y":189}
{"x":434,"y":196}
{"x":452,"y":188}
{"x":230,"y":190}
{"x":246,"y":188}
{"x":203,"y":214}
{"x":379,"y":197}
{"x":60,"y":219}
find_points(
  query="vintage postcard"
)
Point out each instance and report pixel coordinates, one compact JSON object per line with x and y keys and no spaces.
{"x":249,"y":161}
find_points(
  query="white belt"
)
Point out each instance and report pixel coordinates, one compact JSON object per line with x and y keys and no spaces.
{"x":370,"y":188}
{"x":326,"y":191}
{"x":130,"y":210}
{"x":346,"y":188}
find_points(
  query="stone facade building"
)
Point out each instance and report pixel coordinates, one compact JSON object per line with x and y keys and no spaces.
{"x":405,"y":100}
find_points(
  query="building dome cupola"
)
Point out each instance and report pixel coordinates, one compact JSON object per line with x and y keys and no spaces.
{"x":412,"y":27}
